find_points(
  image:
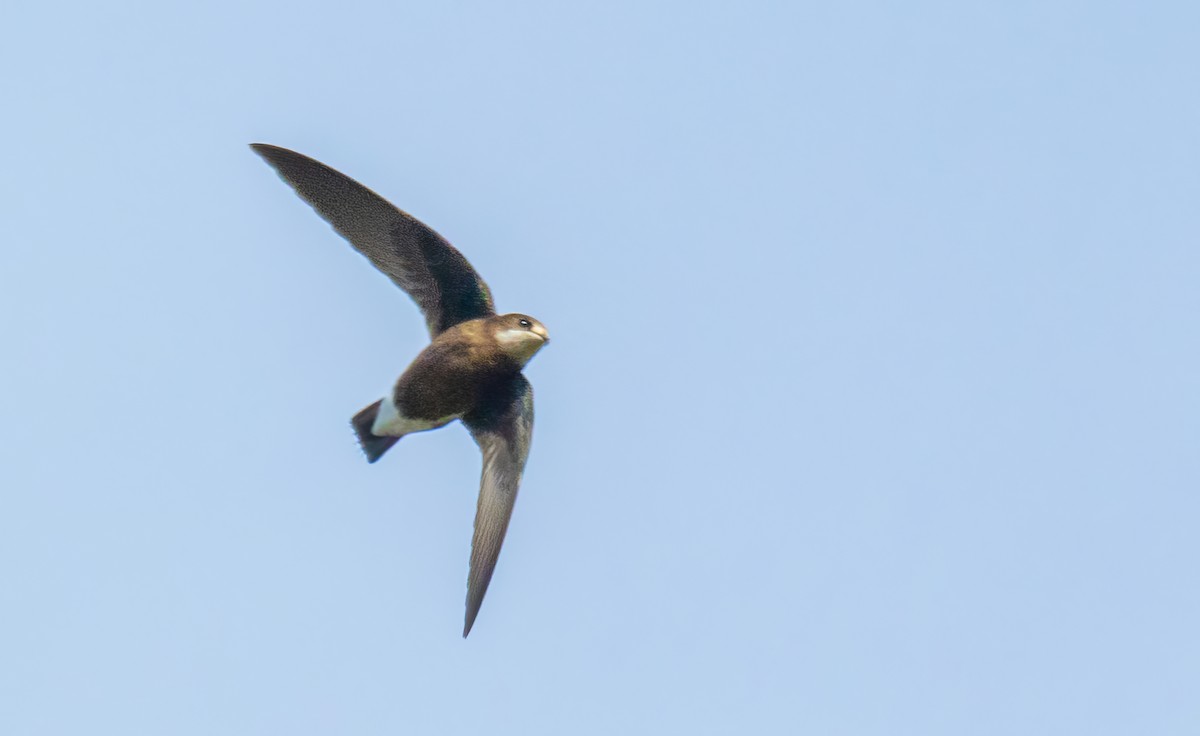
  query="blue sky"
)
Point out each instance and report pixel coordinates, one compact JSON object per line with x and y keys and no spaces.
{"x":872,"y":407}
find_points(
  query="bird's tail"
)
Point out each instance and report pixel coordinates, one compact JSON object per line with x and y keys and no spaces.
{"x":372,"y":444}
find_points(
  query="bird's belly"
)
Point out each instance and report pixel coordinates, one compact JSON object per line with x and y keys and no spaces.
{"x":432,"y":391}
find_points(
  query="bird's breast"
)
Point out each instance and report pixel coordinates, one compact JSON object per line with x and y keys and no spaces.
{"x":448,"y":378}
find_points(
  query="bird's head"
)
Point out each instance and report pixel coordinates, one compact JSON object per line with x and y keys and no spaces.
{"x":519,"y":335}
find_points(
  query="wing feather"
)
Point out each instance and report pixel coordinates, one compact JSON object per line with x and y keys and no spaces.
{"x":418,"y":260}
{"x":503,"y":429}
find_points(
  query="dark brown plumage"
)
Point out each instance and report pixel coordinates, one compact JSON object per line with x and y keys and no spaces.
{"x":471,"y":369}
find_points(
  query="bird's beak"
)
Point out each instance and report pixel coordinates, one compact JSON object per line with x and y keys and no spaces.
{"x":541,"y":332}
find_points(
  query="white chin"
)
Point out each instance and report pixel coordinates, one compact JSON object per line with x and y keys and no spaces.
{"x":520,"y":344}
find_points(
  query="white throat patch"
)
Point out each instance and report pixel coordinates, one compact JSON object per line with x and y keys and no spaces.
{"x":520,"y":344}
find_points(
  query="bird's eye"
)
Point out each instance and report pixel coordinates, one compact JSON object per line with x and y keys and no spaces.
{"x":525,"y":323}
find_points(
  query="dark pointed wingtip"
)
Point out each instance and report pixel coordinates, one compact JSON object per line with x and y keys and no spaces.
{"x":474,"y":603}
{"x":266,"y":151}
{"x":469,"y":622}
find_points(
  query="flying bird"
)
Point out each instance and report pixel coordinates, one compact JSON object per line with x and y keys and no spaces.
{"x":471,"y":369}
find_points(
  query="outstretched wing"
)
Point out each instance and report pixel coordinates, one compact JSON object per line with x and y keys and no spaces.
{"x":503,"y":428}
{"x":417,"y":259}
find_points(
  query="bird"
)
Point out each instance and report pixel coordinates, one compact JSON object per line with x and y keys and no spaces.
{"x":471,"y":371}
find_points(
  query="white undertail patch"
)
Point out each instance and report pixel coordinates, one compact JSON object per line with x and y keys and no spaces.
{"x":389,"y":422}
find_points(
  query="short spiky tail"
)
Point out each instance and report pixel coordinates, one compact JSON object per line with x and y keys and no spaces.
{"x":372,"y":444}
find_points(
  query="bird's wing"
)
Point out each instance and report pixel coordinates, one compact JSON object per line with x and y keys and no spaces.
{"x":417,"y":259}
{"x":503,"y":428}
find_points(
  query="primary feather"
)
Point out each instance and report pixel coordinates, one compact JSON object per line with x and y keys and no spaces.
{"x":438,"y":278}
{"x":503,"y":429}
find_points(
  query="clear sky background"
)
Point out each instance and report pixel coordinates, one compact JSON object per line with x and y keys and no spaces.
{"x":872,"y":408}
